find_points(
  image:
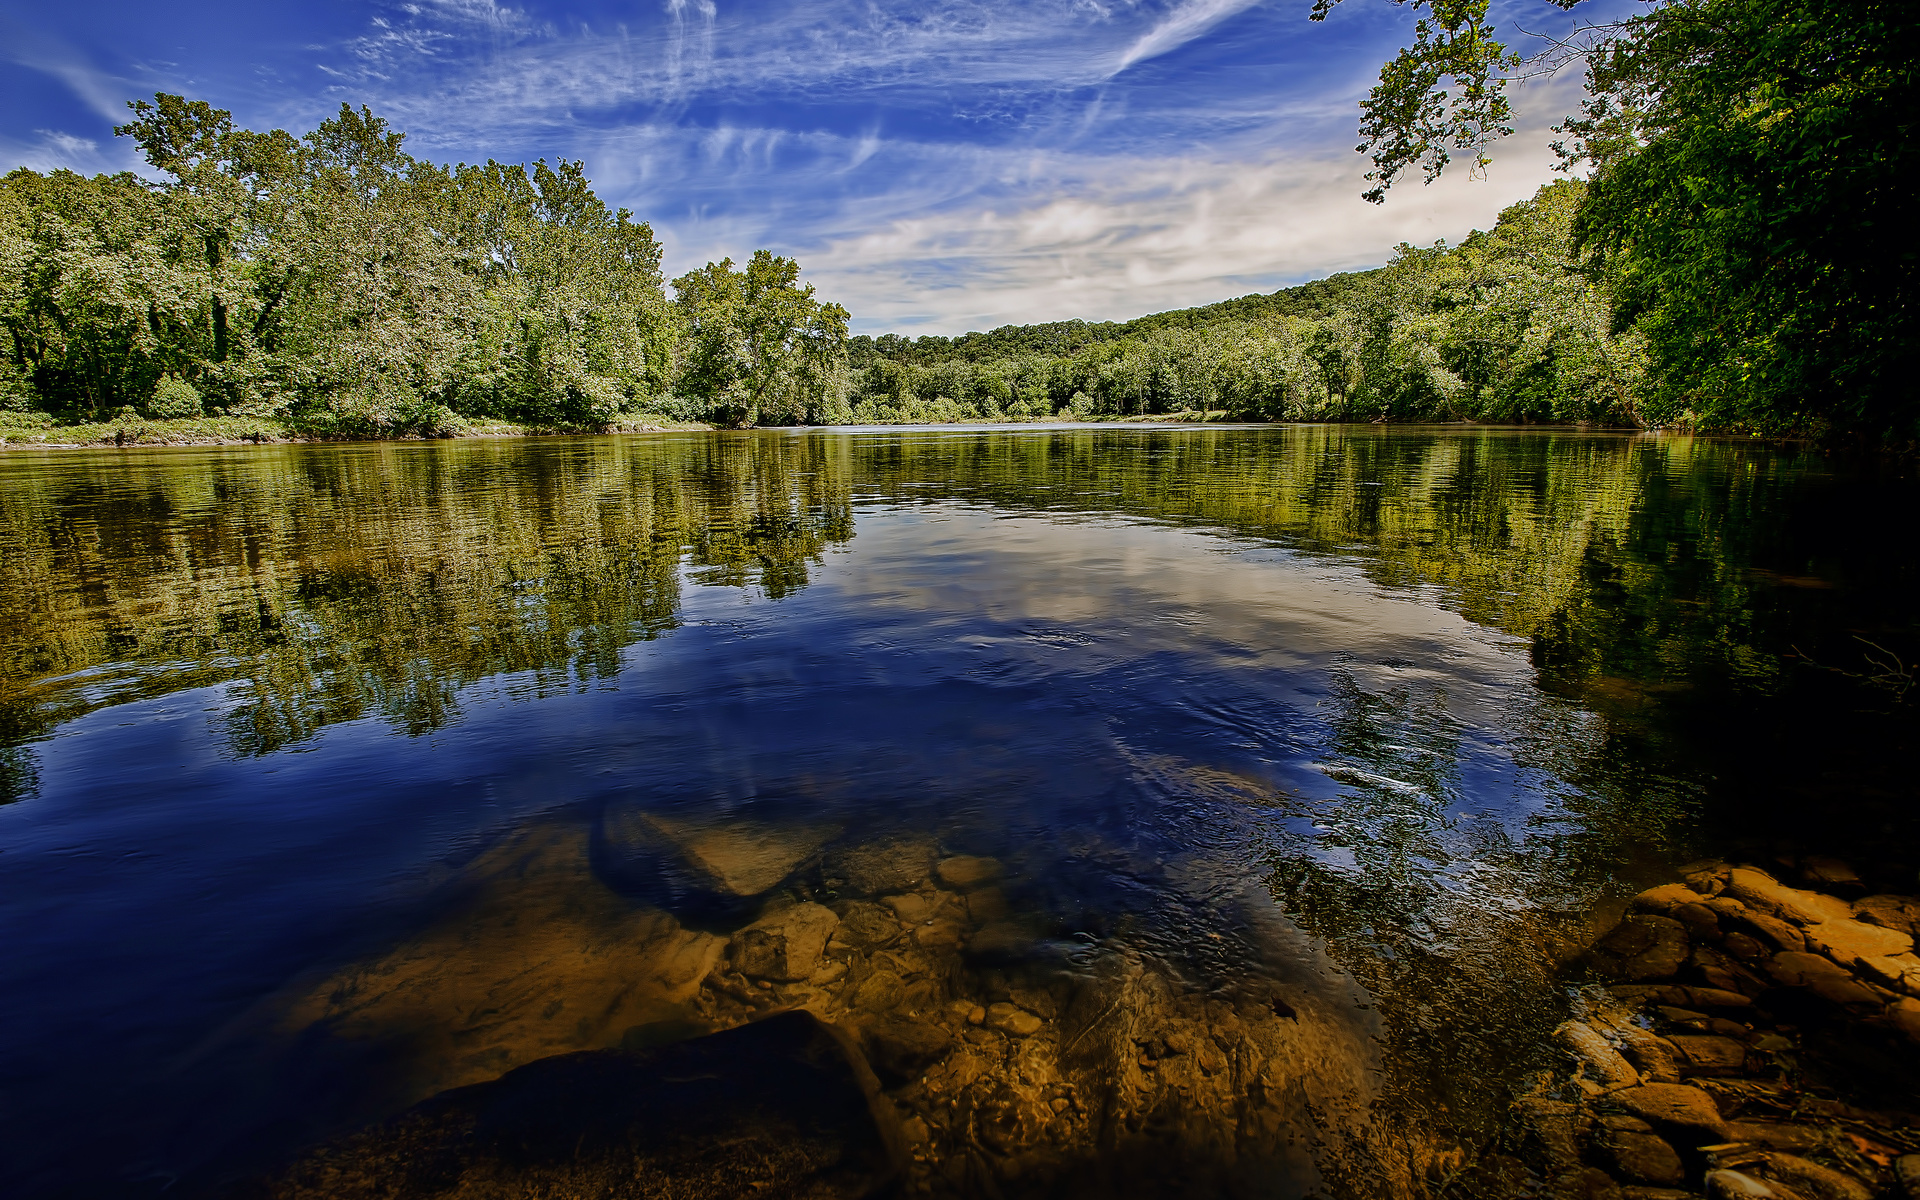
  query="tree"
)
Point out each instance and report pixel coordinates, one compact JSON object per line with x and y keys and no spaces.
{"x":1749,"y":202}
{"x":759,"y":348}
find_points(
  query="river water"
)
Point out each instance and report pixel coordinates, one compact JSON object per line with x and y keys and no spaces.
{"x":335,"y":775}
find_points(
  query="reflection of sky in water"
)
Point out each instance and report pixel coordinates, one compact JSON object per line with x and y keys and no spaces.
{"x":1156,"y":726}
{"x":1138,"y":717}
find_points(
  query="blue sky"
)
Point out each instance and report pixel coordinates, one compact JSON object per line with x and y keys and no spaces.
{"x":935,"y":165}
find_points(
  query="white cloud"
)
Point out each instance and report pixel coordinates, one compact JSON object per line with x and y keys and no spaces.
{"x":1185,"y":23}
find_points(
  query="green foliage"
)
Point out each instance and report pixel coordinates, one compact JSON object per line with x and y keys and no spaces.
{"x":1752,"y":187}
{"x":339,"y":284}
{"x":173,"y":399}
{"x":1750,"y":204}
{"x":759,"y":348}
{"x":1508,"y":326}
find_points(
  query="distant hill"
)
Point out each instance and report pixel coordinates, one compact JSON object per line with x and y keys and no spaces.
{"x":1320,"y":298}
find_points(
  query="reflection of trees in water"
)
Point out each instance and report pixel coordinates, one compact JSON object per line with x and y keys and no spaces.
{"x":336,"y":582}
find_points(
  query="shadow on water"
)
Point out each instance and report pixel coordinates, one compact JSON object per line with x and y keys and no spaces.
{"x":1213,"y":808}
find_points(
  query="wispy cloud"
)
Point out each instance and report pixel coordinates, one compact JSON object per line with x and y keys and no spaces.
{"x":1186,"y":22}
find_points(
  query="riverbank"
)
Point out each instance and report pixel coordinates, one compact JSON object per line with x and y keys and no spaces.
{"x":21,"y":430}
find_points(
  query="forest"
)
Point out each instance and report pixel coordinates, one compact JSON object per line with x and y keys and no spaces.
{"x":1738,"y":257}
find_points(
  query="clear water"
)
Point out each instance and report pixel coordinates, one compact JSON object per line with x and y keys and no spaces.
{"x":1380,"y":720}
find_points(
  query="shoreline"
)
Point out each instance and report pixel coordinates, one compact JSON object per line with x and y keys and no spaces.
{"x":261,"y":431}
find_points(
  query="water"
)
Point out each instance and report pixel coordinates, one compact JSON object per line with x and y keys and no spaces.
{"x":338,"y":775}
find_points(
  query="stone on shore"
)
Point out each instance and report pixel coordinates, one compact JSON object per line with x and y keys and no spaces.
{"x":1608,"y":1067}
{"x":1674,"y":1106}
{"x":1893,"y":912}
{"x":1643,"y":1158}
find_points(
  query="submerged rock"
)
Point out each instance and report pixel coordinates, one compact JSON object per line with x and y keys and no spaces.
{"x":739,"y":857}
{"x":777,"y":1108}
{"x":785,"y":945}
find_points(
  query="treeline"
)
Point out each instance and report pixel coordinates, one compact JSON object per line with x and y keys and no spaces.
{"x":1508,"y":326}
{"x":336,"y":282}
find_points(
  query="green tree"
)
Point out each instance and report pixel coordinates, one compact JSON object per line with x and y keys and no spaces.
{"x":1749,"y":201}
{"x":759,"y":348}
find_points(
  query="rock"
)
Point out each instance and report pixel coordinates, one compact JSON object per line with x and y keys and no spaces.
{"x":785,"y":944}
{"x":966,"y":872}
{"x":1900,"y":973}
{"x":1557,"y":1126}
{"x":938,"y":935}
{"x":1907,"y":1169}
{"x":1643,"y":947}
{"x":1622,"y":1123}
{"x":1608,"y":1067}
{"x":1733,"y":1185}
{"x":1723,"y":974}
{"x":1904,"y":1013}
{"x":1705,"y":1054}
{"x":1004,"y":939}
{"x":1820,"y":976}
{"x":876,"y":868}
{"x":795,"y":1107}
{"x":1011,"y":1018}
{"x":1776,"y":1135}
{"x":1674,"y":1106}
{"x":739,"y":858}
{"x":1679,"y":996}
{"x":1844,"y":941}
{"x":1701,"y":922}
{"x":1663,"y":899}
{"x":1642,"y":1158}
{"x":1654,"y":1057}
{"x":912,"y":907}
{"x":879,"y":992}
{"x":1831,"y":875}
{"x":866,"y":926}
{"x":1775,"y":932}
{"x":902,"y":1049}
{"x":1657,"y":1193}
{"x":1893,"y":912}
{"x":1761,"y":892}
{"x":1813,"y":1181}
{"x":977,"y":1015}
{"x":987,"y":905}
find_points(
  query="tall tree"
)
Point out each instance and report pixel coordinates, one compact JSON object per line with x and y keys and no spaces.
{"x":760,"y":349}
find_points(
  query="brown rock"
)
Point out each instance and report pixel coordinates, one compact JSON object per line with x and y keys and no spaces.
{"x":1701,"y":922}
{"x":1844,"y":941}
{"x":1655,"y":1057}
{"x":987,"y":905}
{"x":1775,"y":1135}
{"x":1774,"y":931}
{"x":784,"y":945}
{"x":1747,"y":949}
{"x":1557,"y":1126}
{"x":1737,"y":1185}
{"x":739,"y":858}
{"x":876,"y":868}
{"x":879,"y":992}
{"x":1663,"y":899}
{"x":1820,"y":976}
{"x":1011,"y":1018}
{"x":1705,"y":1054}
{"x":1905,"y":1015}
{"x":1830,"y":874}
{"x":1900,"y":973}
{"x":910,"y":907}
{"x":1624,"y":1123}
{"x":967,"y":872}
{"x":1687,"y":1110}
{"x":1893,"y":912}
{"x":1814,"y":1181}
{"x":1608,"y":1068}
{"x":902,"y":1049}
{"x":1723,"y":974}
{"x":1761,"y":892}
{"x":1642,"y":1158}
{"x":1643,"y":947}
{"x":1632,"y":1192}
{"x":1907,"y":1169}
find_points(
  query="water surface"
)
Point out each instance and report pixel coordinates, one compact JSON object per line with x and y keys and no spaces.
{"x":1374,"y":725}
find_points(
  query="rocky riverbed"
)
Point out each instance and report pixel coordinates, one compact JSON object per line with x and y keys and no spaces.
{"x":927,"y":1034}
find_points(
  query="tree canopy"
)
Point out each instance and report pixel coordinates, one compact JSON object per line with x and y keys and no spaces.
{"x":1750,"y":201}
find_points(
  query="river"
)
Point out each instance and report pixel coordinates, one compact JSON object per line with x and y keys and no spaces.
{"x":333,"y":776}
